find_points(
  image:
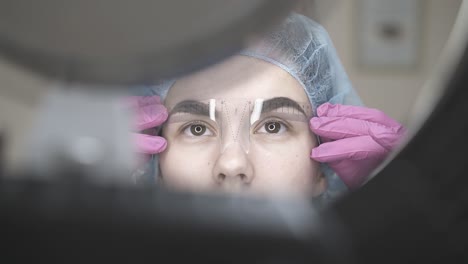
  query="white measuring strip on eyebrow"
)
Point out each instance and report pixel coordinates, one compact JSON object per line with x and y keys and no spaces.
{"x":257,"y":110}
{"x":213,"y":110}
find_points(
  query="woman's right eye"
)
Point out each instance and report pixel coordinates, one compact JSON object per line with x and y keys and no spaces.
{"x":197,"y":130}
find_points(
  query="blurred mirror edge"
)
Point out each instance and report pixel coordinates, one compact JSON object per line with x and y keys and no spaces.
{"x":448,"y":61}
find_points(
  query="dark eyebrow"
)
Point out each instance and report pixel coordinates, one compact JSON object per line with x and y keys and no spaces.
{"x":279,"y":102}
{"x":199,"y":108}
{"x":191,"y":107}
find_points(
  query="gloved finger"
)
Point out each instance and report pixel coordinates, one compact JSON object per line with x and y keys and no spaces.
{"x":352,"y":173}
{"x":148,"y":111}
{"x":388,"y":139}
{"x":335,"y":128}
{"x":151,"y":115}
{"x":356,"y":148}
{"x":149,"y":144}
{"x":357,"y":112}
{"x":137,"y":101}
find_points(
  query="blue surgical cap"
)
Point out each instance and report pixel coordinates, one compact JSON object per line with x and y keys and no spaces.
{"x":303,"y":48}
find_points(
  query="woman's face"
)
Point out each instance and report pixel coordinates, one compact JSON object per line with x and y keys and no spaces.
{"x":241,"y":125}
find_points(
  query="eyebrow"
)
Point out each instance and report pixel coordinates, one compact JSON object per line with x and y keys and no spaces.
{"x":279,"y":102}
{"x":191,"y":107}
{"x":203,"y":109}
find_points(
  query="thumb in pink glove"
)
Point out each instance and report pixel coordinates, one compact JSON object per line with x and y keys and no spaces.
{"x":149,"y":113}
{"x":357,"y":139}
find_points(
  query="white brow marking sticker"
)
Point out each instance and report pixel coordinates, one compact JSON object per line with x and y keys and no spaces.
{"x":213,"y":109}
{"x":257,"y":110}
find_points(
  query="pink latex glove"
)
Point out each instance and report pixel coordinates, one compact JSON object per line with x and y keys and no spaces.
{"x":150,"y":113}
{"x":356,"y":140}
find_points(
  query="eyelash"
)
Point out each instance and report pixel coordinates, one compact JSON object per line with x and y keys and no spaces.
{"x":197,"y":122}
{"x":258,"y":127}
{"x":272,"y":119}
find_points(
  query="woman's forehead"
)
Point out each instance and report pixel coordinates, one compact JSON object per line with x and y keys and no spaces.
{"x":237,"y":77}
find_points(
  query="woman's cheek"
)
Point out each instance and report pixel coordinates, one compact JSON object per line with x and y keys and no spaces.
{"x":285,"y":167}
{"x":187,"y":166}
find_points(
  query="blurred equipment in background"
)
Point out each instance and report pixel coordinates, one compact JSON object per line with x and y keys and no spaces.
{"x":389,"y":33}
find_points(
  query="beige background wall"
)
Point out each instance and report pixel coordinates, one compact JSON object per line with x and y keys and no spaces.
{"x":392,"y":91}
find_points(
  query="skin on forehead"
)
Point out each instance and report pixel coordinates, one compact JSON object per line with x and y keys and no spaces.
{"x":230,"y":79}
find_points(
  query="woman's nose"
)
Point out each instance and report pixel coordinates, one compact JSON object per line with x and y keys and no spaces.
{"x":233,"y":168}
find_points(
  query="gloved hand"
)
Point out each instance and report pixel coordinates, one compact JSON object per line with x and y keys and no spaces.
{"x":149,"y":113}
{"x":356,"y":140}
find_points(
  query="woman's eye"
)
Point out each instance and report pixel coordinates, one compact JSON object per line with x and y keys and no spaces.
{"x":272,"y":127}
{"x":197,"y":130}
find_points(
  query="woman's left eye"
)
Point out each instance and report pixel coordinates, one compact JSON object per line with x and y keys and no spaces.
{"x":272,"y":127}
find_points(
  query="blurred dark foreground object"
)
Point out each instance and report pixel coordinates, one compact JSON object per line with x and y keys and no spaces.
{"x":85,"y":223}
{"x":129,"y":42}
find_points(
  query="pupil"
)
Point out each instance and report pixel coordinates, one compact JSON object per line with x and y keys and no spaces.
{"x":273,"y":127}
{"x":198,"y":130}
